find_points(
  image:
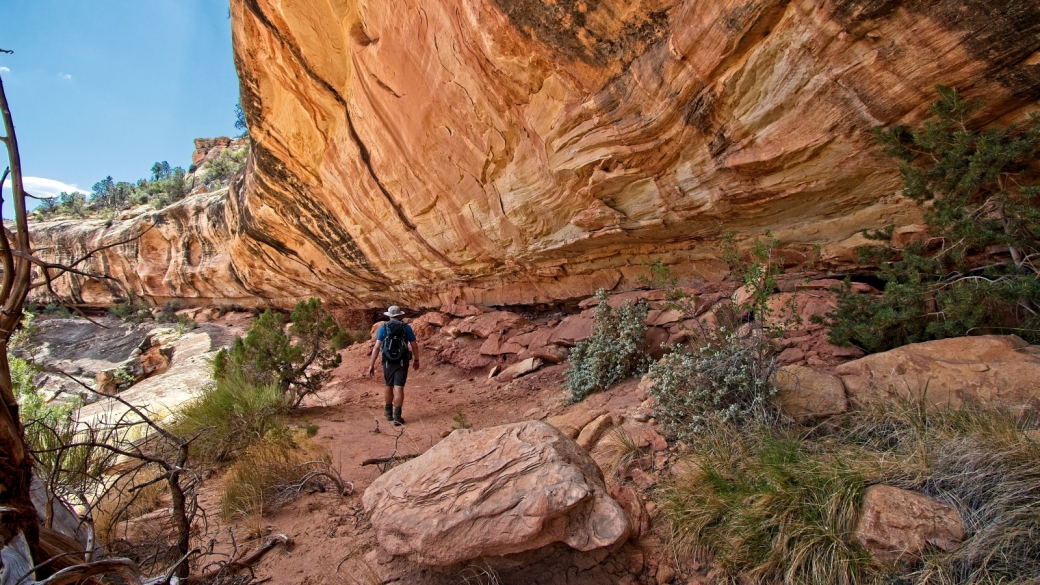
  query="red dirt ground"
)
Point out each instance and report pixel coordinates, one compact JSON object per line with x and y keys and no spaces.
{"x":330,"y":534}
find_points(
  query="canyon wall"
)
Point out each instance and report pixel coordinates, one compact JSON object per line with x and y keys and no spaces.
{"x":426,"y":152}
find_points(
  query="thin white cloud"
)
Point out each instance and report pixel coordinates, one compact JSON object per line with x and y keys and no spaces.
{"x":41,"y":187}
{"x":65,"y":76}
{"x":4,"y":69}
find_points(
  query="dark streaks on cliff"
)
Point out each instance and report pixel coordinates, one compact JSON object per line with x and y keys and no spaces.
{"x":255,"y":9}
{"x":569,"y":28}
{"x":328,"y":234}
{"x":1002,"y":33}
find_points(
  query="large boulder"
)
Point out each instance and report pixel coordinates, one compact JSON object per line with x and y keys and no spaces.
{"x":896,"y":524}
{"x":989,"y":371}
{"x":806,"y":394}
{"x":494,"y":492}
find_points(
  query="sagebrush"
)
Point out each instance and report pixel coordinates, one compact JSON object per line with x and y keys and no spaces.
{"x":613,"y":352}
{"x":727,"y":378}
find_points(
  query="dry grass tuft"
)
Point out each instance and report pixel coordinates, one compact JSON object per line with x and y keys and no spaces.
{"x":230,"y":416}
{"x":621,"y":449}
{"x":766,"y":509}
{"x":779,"y":504}
{"x":271,"y":473}
{"x":124,"y":503}
{"x":479,"y":574}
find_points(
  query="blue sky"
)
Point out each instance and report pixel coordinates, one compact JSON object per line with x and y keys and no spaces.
{"x":109,"y":87}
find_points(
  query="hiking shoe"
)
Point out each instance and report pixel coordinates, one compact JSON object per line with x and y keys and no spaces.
{"x":398,"y":420}
{"x":389,"y":411}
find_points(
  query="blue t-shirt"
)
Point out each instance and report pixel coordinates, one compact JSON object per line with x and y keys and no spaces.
{"x":409,"y":335}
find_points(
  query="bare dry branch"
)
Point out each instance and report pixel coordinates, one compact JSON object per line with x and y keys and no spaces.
{"x":122,"y":568}
{"x":241,"y":563}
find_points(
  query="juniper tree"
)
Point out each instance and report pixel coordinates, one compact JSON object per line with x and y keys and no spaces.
{"x":298,"y":361}
{"x":977,"y":272}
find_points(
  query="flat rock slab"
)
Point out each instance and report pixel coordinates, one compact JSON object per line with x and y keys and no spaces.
{"x":494,"y":492}
{"x":988,"y":371}
{"x":190,"y":371}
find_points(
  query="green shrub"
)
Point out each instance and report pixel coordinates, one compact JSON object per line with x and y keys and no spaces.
{"x":297,"y":361}
{"x":109,"y":197}
{"x":23,"y":365}
{"x":347,"y":337}
{"x":132,"y":310}
{"x":168,"y":314}
{"x":460,"y":420}
{"x":612,"y":353}
{"x":65,"y":204}
{"x":219,"y":171}
{"x":723,"y":373}
{"x":56,"y":311}
{"x":979,"y":189}
{"x":230,"y":416}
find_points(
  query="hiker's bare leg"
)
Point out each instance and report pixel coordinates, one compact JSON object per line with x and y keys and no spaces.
{"x":388,"y":395}
{"x":398,"y":395}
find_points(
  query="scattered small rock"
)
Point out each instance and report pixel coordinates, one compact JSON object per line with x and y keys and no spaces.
{"x":896,"y":524}
{"x":665,"y":574}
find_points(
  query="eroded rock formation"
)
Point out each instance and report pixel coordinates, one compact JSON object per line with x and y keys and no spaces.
{"x":429,"y":152}
{"x":493,"y":492}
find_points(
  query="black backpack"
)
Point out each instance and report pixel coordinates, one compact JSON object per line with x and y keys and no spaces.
{"x":395,"y":346}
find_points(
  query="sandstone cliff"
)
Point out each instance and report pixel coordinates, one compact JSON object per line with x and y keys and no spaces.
{"x":516,"y":151}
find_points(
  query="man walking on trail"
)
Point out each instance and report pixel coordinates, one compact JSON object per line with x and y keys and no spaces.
{"x":396,"y":342}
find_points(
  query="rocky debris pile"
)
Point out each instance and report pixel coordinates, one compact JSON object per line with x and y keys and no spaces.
{"x":513,"y":345}
{"x":618,"y":431}
{"x":494,"y":492}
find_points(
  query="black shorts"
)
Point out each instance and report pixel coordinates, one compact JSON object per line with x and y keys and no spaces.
{"x":395,"y":374}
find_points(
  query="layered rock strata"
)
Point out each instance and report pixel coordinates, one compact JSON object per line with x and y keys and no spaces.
{"x":430,"y":152}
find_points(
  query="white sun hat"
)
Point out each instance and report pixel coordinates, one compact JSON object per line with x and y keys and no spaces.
{"x":394,"y":311}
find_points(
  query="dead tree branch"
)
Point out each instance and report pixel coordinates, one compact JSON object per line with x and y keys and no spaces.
{"x":241,"y":563}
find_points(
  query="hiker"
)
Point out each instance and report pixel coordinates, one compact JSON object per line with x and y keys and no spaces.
{"x":394,"y":341}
